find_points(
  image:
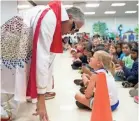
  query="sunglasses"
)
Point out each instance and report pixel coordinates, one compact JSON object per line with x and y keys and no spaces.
{"x":73,"y":28}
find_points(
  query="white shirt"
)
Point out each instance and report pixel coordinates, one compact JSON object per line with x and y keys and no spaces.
{"x":112,"y":89}
{"x":44,"y":57}
{"x":17,"y":84}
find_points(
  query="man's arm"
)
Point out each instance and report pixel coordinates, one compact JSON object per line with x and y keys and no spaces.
{"x":43,"y":51}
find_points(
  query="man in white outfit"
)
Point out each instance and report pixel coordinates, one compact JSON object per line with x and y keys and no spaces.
{"x":29,"y":43}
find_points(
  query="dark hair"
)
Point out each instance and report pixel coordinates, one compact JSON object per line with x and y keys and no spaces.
{"x":96,"y":36}
{"x":85,"y":48}
{"x":99,"y":47}
{"x":135,"y":49}
{"x":84,"y":33}
{"x":136,"y":44}
{"x":119,"y":43}
{"x":127,"y":43}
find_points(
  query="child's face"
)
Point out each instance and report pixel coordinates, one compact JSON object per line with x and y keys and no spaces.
{"x":112,"y":50}
{"x":89,"y":55}
{"x":80,"y":47}
{"x":106,"y":46}
{"x":134,"y":55}
{"x":118,"y":48}
{"x":73,"y":53}
{"x":94,"y":63}
{"x":96,"y":42}
{"x":126,"y":49}
{"x":85,"y":52}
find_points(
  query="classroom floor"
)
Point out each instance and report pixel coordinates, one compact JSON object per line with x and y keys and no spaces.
{"x":63,"y":108}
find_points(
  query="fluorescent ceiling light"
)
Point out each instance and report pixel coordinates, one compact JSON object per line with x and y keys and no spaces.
{"x":92,"y":5}
{"x":23,"y":6}
{"x":68,"y":6}
{"x":110,"y":12}
{"x":131,"y":12}
{"x":137,"y":4}
{"x":89,"y":13}
{"x":117,"y":4}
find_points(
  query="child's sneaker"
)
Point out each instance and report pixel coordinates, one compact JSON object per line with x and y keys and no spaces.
{"x":136,"y":99}
{"x":82,"y":106}
{"x":82,"y":90}
{"x":78,"y":81}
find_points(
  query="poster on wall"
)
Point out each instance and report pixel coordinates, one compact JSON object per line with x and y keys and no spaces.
{"x":121,"y":32}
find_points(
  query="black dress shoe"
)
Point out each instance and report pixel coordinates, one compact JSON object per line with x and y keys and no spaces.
{"x":82,"y":106}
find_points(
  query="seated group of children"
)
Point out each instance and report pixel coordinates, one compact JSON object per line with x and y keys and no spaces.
{"x":119,"y":62}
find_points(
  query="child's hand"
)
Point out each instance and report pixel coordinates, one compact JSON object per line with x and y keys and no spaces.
{"x":122,"y":63}
{"x":85,"y":79}
{"x":91,"y":86}
{"x":117,"y":65}
{"x":118,"y":68}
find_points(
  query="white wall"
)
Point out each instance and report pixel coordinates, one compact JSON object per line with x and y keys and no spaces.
{"x":24,"y":3}
{"x":112,"y":23}
{"x":8,"y":10}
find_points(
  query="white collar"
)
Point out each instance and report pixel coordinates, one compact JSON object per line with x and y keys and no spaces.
{"x":101,"y":70}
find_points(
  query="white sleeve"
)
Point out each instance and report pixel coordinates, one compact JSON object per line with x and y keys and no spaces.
{"x":43,"y":51}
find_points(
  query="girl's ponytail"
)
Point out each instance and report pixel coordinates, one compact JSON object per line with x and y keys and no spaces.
{"x":112,"y":68}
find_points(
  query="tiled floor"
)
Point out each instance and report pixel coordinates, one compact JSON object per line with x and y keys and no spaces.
{"x":63,"y":108}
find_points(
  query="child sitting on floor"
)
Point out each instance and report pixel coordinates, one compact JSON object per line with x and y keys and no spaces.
{"x":73,"y":53}
{"x":107,"y":46}
{"x":131,"y":75}
{"x":113,"y":53}
{"x":86,"y":69}
{"x":95,"y":42}
{"x":119,"y":51}
{"x":127,"y":60}
{"x":100,"y":62}
{"x":126,"y":48}
{"x":81,"y":58}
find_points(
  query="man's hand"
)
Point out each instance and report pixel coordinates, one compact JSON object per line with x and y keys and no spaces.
{"x":41,"y":108}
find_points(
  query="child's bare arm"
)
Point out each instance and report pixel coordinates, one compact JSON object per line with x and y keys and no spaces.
{"x":91,"y":86}
{"x":86,"y":70}
{"x":88,"y":76}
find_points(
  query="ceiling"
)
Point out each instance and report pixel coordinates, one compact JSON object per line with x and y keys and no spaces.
{"x":104,"y":6}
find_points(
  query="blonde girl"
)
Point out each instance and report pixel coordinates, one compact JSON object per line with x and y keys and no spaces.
{"x":100,"y":62}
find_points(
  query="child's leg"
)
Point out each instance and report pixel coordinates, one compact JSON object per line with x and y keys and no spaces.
{"x":119,"y":76}
{"x":86,"y":82}
{"x":82,"y":99}
{"x":86,"y":70}
{"x":132,"y":79}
